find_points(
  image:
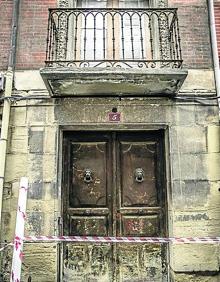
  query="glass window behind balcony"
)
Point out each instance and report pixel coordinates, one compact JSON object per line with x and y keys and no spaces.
{"x":132,"y":48}
{"x":133,"y":4}
{"x":98,"y":35}
{"x":111,"y":3}
{"x":116,"y":38}
{"x":91,"y":4}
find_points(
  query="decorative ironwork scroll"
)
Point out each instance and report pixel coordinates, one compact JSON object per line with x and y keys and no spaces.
{"x":162,"y":3}
{"x":164,"y":37}
{"x":62,"y":30}
{"x":163,"y":32}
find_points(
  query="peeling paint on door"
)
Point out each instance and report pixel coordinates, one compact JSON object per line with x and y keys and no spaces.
{"x":141,"y":263}
{"x":86,"y":262}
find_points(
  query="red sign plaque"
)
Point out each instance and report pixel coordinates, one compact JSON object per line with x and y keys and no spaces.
{"x":114,"y":117}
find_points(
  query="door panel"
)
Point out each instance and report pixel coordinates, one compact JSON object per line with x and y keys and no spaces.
{"x":145,"y":225}
{"x":87,"y":207}
{"x":87,"y":263}
{"x":141,"y":209}
{"x":138,"y":188}
{"x":89,"y":225}
{"x":141,"y":263}
{"x":89,"y":187}
{"x":113,"y":187}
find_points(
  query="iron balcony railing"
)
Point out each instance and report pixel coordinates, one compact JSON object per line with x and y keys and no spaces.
{"x":135,"y":38}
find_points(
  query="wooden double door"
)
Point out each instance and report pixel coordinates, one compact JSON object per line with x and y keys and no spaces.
{"x":113,"y":186}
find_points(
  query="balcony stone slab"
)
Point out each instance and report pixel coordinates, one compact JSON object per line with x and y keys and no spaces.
{"x":67,"y":82}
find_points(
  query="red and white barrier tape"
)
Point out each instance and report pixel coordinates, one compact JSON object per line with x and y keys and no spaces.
{"x":98,"y":239}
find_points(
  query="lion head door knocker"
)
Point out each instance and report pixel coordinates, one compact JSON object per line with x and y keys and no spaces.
{"x":88,"y":176}
{"x":139,"y":175}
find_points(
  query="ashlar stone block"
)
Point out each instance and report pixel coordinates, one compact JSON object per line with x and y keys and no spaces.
{"x":40,"y":262}
{"x":36,"y":140}
{"x":188,"y":139}
{"x":189,"y":166}
{"x":18,"y":140}
{"x":16,"y":167}
{"x":206,"y":277}
{"x":190,"y":194}
{"x":194,"y":257}
{"x":213,"y":138}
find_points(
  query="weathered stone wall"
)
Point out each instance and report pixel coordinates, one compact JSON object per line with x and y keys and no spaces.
{"x":32,"y":153}
{"x":193,"y":161}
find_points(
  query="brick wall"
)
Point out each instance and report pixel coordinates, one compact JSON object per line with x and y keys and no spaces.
{"x":195,"y":32}
{"x":32,"y":33}
{"x":217,"y":22}
{"x":193,"y":20}
{"x":5,"y":31}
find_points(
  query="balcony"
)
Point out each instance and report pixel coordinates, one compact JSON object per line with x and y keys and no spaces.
{"x":122,"y":52}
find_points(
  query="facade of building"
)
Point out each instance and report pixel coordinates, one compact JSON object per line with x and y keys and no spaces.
{"x":117,"y":133}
